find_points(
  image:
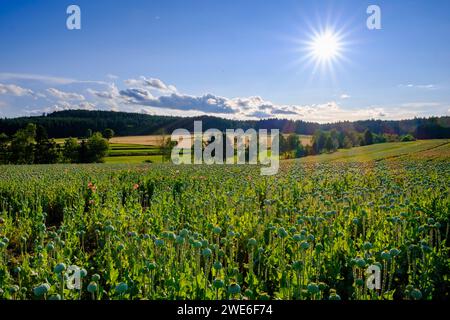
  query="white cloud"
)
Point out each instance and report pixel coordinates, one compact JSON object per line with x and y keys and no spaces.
{"x":418,"y":86}
{"x":150,"y":83}
{"x":344,"y":96}
{"x":45,"y":78}
{"x":112,"y":76}
{"x":65,"y":95}
{"x":12,"y":89}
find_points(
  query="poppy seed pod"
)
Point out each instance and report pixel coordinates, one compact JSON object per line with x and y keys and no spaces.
{"x":234,"y":288}
{"x":252,"y":242}
{"x":92,"y":287}
{"x":206,"y":252}
{"x":217,"y":265}
{"x":121,"y":288}
{"x":60,"y":267}
{"x":218,"y":283}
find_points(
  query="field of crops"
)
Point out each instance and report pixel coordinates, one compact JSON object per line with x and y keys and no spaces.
{"x":160,"y":231}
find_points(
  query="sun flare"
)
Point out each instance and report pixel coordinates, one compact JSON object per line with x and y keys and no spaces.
{"x":325,"y":46}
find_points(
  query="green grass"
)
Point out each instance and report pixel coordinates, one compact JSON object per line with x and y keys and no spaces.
{"x":134,"y":159}
{"x":385,"y":151}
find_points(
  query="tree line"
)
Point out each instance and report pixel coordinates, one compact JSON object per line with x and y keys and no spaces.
{"x":75,"y":123}
{"x":32,"y":145}
{"x":329,"y":141}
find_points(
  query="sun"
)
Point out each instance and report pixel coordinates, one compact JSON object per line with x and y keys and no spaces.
{"x":325,"y":46}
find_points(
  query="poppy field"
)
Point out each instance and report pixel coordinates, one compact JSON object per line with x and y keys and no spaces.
{"x":160,"y":231}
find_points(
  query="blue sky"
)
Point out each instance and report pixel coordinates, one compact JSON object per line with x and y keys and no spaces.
{"x":237,"y":59}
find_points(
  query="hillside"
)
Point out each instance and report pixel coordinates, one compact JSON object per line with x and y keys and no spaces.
{"x":423,"y":149}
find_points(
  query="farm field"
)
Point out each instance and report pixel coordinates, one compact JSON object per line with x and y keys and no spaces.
{"x":159,"y":231}
{"x":422,"y":149}
{"x":156,"y":140}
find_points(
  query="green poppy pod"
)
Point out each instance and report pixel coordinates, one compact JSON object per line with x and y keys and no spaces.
{"x":197,"y":244}
{"x":205,"y":243}
{"x":109,"y":228}
{"x":151,"y":265}
{"x":50,"y":247}
{"x":297,"y":265}
{"x":252,"y":242}
{"x":394,"y":252}
{"x":206,"y":252}
{"x":121,"y":288}
{"x":184,"y":233}
{"x":231,"y":234}
{"x":313,"y":288}
{"x":304,"y":245}
{"x":17,"y":270}
{"x":179,"y":240}
{"x":360,"y":262}
{"x":359,"y":282}
{"x":217,"y":265}
{"x":159,"y":242}
{"x":319,"y":247}
{"x":297,"y":238}
{"x":120,"y":247}
{"x":367,"y":246}
{"x":264,"y":296}
{"x":2,"y":244}
{"x":42,"y":289}
{"x":218,"y":283}
{"x":292,"y":230}
{"x":334,"y":297}
{"x":355,"y":221}
{"x":60,"y":267}
{"x":217,"y":230}
{"x":385,"y":255}
{"x":14,"y":289}
{"x":95,"y":277}
{"x":416,"y":294}
{"x":56,"y":297}
{"x":310,"y":238}
{"x":322,"y":286}
{"x":437,"y":225}
{"x":83,"y":273}
{"x":248,"y":293}
{"x":282,"y":233}
{"x":92,"y":287}
{"x":234,"y":288}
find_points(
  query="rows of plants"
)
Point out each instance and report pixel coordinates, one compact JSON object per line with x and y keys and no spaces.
{"x":225,"y":232}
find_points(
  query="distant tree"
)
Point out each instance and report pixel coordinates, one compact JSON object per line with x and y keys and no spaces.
{"x":45,"y":150}
{"x":283,"y":143}
{"x":108,"y":133}
{"x":21,"y":147}
{"x":347,"y":143}
{"x":83,"y":153}
{"x":166,"y":148}
{"x":71,"y":151}
{"x":97,"y":148}
{"x":4,"y":140}
{"x":293,"y":142}
{"x":407,"y":138}
{"x":368,"y":137}
{"x":329,"y":144}
{"x":319,"y":140}
{"x":300,"y":151}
